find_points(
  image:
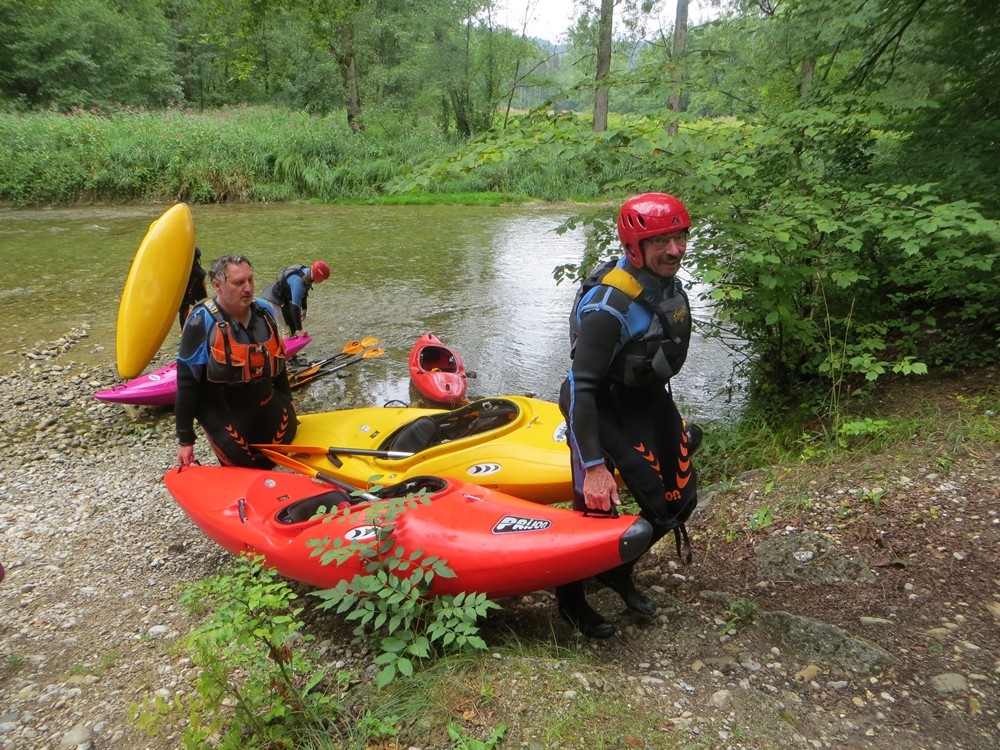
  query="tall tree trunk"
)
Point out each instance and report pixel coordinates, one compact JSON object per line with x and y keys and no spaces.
{"x":349,"y":70}
{"x":680,"y":42}
{"x":603,"y":65}
{"x":808,"y":71}
{"x":459,"y":105}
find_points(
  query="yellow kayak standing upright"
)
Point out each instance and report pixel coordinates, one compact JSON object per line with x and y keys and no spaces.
{"x":514,"y":444}
{"x":154,"y":289}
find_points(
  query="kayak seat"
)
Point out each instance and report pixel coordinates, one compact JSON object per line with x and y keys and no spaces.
{"x":415,"y":485}
{"x":435,"y":359}
{"x":430,"y":430}
{"x":414,"y":436}
{"x":308,"y":507}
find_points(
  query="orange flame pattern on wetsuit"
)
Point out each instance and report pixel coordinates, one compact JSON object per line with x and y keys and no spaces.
{"x":683,"y":473}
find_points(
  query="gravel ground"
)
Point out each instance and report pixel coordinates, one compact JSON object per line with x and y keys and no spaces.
{"x":878,"y":623}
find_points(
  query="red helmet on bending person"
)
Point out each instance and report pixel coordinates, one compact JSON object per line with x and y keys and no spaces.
{"x":320,"y":271}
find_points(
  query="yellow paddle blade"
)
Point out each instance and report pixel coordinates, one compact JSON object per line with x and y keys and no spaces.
{"x":356,"y":347}
{"x":376,"y":352}
{"x":352,"y":347}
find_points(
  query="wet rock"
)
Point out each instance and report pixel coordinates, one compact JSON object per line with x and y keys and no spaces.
{"x":950,"y":682}
{"x":823,"y":643}
{"x":809,"y":556}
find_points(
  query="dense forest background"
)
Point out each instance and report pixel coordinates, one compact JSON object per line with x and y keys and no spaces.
{"x":839,"y":156}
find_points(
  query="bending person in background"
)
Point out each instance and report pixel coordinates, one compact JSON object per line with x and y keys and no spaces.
{"x":231,"y":373}
{"x":195,"y":291}
{"x":290,"y":293}
{"x":629,"y":334}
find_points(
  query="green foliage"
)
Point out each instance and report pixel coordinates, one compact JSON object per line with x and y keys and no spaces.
{"x":461,"y":741}
{"x":244,"y":155}
{"x":258,"y":686}
{"x":762,"y":518}
{"x":87,"y":53}
{"x":739,"y":614}
{"x":862,"y":428}
{"x":392,"y":596}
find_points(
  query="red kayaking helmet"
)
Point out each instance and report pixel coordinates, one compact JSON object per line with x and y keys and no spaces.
{"x":648,"y":215}
{"x":320,"y":271}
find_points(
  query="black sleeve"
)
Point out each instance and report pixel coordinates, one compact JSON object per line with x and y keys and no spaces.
{"x":188,"y":381}
{"x":294,"y":313}
{"x":595,"y":349}
{"x":186,"y":404}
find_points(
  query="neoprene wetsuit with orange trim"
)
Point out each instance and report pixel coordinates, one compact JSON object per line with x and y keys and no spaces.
{"x":244,"y":400}
{"x":616,"y":399}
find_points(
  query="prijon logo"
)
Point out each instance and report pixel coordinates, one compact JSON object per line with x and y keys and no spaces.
{"x":360,"y":533}
{"x":559,"y":435}
{"x":481,"y":470}
{"x":509,"y":524}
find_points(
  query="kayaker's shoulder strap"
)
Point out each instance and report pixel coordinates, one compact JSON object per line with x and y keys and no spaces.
{"x":624,"y":282}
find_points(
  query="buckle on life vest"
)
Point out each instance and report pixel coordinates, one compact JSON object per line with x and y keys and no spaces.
{"x":257,"y":358}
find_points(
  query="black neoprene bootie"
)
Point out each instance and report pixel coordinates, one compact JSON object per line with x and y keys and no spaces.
{"x":620,"y":581}
{"x":575,"y":610}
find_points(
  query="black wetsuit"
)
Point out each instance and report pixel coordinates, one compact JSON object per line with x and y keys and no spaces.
{"x":195,"y":291}
{"x":290,"y":293}
{"x":617,"y":402}
{"x":235,"y":405}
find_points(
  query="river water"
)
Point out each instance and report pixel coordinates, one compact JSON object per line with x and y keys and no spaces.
{"x":480,"y":278}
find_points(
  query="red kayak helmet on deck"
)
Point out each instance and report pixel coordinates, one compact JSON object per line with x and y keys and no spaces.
{"x":320,"y":271}
{"x":648,"y":215}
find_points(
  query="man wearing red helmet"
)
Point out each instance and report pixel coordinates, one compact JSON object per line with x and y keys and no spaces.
{"x":629,"y":332}
{"x":290,"y":292}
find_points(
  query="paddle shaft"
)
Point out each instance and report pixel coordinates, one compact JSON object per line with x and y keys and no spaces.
{"x":351,"y":347}
{"x":301,"y":379}
{"x":315,"y":450}
{"x":291,"y":463}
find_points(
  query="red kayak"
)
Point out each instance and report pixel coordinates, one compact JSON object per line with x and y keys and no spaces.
{"x":159,"y":388}
{"x":495,"y":544}
{"x":436,"y":371}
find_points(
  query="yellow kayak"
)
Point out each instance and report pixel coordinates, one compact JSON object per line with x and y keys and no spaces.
{"x":514,"y":444}
{"x":153,"y":290}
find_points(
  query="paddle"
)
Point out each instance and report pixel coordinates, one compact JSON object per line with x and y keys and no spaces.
{"x":351,"y":347}
{"x":299,"y":379}
{"x":315,"y":450}
{"x":291,"y":463}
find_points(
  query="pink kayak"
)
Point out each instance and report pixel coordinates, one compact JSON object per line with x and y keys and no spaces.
{"x":159,"y":388}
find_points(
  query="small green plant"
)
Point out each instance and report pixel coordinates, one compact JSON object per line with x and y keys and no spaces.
{"x":815,"y":447}
{"x":762,"y":518}
{"x":797,"y":503}
{"x":944,"y":463}
{"x":863,"y":428}
{"x":258,"y":686}
{"x":874,"y":497}
{"x":12,"y":663}
{"x":392,"y":597}
{"x":109,"y":659}
{"x":461,"y":741}
{"x":377,"y":727}
{"x":739,"y":614}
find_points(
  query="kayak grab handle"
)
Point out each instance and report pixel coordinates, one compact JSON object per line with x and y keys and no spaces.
{"x":611,"y":512}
